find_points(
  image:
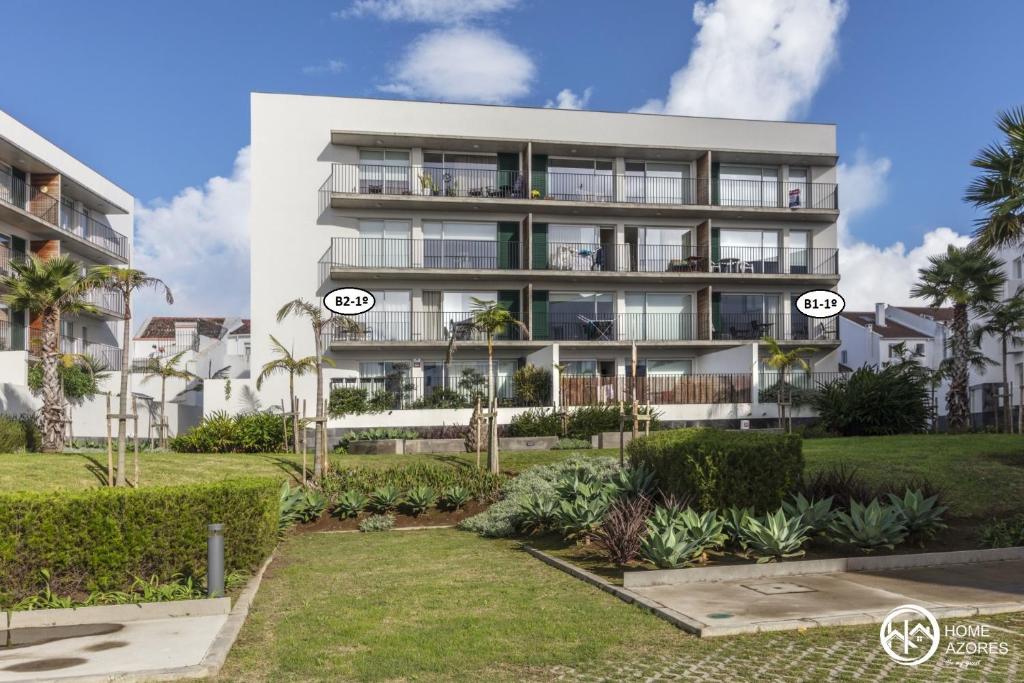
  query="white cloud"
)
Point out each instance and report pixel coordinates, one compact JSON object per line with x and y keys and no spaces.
{"x":869,"y":273}
{"x":331,"y":66}
{"x":198,"y":243}
{"x":425,"y":11}
{"x":463,"y":64}
{"x":762,"y":59}
{"x":567,"y":99}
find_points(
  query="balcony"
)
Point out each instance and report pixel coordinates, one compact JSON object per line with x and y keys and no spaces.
{"x":565,"y":191}
{"x":628,"y":327}
{"x":15,"y":193}
{"x":779,"y":326}
{"x":582,"y":390}
{"x":797,"y":383}
{"x":7,"y":257}
{"x":419,"y":326}
{"x":109,"y":356}
{"x":403,"y":257}
{"x":106,"y":302}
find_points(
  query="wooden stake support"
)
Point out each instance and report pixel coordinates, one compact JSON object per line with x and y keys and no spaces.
{"x":110,"y":448}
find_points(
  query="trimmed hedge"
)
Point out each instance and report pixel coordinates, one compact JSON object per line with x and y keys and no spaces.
{"x":480,"y":483}
{"x":722,"y":469}
{"x":100,"y":539}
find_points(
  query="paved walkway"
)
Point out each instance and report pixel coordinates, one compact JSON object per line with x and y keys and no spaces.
{"x":794,"y":602}
{"x":97,"y":649}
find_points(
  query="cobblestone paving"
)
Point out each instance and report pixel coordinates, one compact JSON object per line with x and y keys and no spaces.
{"x":850,"y":654}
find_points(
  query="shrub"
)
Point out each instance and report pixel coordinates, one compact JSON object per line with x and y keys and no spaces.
{"x":734,"y":519}
{"x":816,"y":514}
{"x":706,"y":530}
{"x":586,"y":421}
{"x":575,"y":519}
{"x":419,"y":499}
{"x":477,"y":482}
{"x":922,"y":516}
{"x":668,"y":548}
{"x":454,"y":498}
{"x":347,"y":401}
{"x":442,"y":432}
{"x":776,"y":536}
{"x":634,"y":481}
{"x":503,"y":519}
{"x":537,"y":513}
{"x":376,"y":434}
{"x":385,"y":499}
{"x":722,"y":469}
{"x":299,"y":505}
{"x":377,"y":523}
{"x":892,"y":400}
{"x":571,"y":445}
{"x":1003,"y":533}
{"x":621,"y":532}
{"x":442,"y":398}
{"x":101,"y":539}
{"x":535,"y":422}
{"x":219,"y":432}
{"x":531,"y":386}
{"x":18,"y":434}
{"x":350,"y":504}
{"x":870,"y":527}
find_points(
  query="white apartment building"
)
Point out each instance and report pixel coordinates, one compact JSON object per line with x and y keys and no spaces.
{"x":689,"y":238}
{"x":50,"y":204}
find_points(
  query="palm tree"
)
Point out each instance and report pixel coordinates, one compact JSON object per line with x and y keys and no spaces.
{"x":295,"y":367}
{"x":164,"y":368}
{"x":782,"y":361}
{"x":320,"y":324}
{"x":489,"y":318}
{"x":1004,"y":320}
{"x":47,"y":289}
{"x":999,"y":190}
{"x":969,"y":278}
{"x":126,"y":281}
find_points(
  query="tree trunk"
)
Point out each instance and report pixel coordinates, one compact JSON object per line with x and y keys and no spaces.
{"x":1007,"y":399}
{"x":492,"y":413}
{"x":957,"y":398}
{"x":122,"y":410}
{"x":319,"y":455}
{"x":163,"y":412}
{"x":294,"y":408}
{"x":53,"y":410}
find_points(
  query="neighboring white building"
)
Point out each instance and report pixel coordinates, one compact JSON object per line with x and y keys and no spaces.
{"x":51,"y":204}
{"x":690,"y":237}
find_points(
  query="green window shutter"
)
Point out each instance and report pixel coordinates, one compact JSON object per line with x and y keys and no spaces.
{"x":540,"y":315}
{"x":508,"y":171}
{"x":17,"y":330}
{"x":509,"y":300}
{"x":715,"y":172}
{"x":716,"y":314}
{"x":716,"y":245}
{"x":540,"y":174}
{"x":508,"y":245}
{"x":540,"y":246}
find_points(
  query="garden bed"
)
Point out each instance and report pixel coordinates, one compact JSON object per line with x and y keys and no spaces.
{"x":432,"y":517}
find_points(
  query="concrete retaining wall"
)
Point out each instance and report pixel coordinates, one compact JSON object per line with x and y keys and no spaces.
{"x":527,"y":443}
{"x":435,"y":445}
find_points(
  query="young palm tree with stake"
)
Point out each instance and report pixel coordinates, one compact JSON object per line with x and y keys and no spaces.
{"x":125,"y":281}
{"x":969,"y":278}
{"x":295,"y":367}
{"x":782,"y":361}
{"x":1004,"y":320}
{"x":164,"y":369}
{"x":47,"y":290}
{"x":489,"y":318}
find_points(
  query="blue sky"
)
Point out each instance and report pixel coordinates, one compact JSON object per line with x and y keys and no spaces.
{"x":155,"y":95}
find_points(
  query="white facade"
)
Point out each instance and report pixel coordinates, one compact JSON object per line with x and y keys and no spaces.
{"x":53,"y":204}
{"x":689,"y":236}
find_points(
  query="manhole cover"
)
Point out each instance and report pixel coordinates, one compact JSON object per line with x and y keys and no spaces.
{"x":778,"y":588}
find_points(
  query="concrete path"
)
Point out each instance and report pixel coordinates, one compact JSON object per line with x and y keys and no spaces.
{"x":794,"y":602}
{"x":99,"y":649}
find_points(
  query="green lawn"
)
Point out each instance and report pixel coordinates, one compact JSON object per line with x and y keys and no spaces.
{"x":982,"y":474}
{"x":445,"y":605}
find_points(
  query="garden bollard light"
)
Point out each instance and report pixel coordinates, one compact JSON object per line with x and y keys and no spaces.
{"x":215,"y":560}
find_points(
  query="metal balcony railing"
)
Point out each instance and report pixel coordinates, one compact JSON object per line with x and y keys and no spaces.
{"x":405,"y":253}
{"x":578,"y":390}
{"x":405,"y":326}
{"x":106,"y":301}
{"x":5,"y":336}
{"x":774,"y":260}
{"x":431,"y":180}
{"x":565,"y":326}
{"x":401,"y":392}
{"x":785,"y":327}
{"x":797,"y":382}
{"x":8,"y":256}
{"x":17,"y":193}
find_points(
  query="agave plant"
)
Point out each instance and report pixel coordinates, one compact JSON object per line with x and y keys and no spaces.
{"x":418,"y":499}
{"x":385,"y":499}
{"x":664,"y":517}
{"x":817,"y":514}
{"x":707,"y":530}
{"x":350,"y":503}
{"x":299,"y":505}
{"x":869,"y":527}
{"x":455,"y":497}
{"x":776,"y":536}
{"x":733,"y":520}
{"x":922,"y":516}
{"x":537,"y":513}
{"x":635,"y":481}
{"x":577,"y":519}
{"x":668,"y":547}
{"x":582,"y":484}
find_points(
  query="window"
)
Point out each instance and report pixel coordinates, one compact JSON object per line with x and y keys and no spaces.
{"x":748,"y":185}
{"x":919,"y":350}
{"x":658,"y":316}
{"x":459,"y":305}
{"x":658,"y":183}
{"x":843,"y":357}
{"x":469,"y":378}
{"x":749,"y":316}
{"x":1018,"y":268}
{"x":799,"y":251}
{"x":747,"y":251}
{"x":661,"y":249}
{"x":894,"y":351}
{"x":381,"y":244}
{"x":581,"y":315}
{"x":798,"y":188}
{"x":459,"y":174}
{"x":588,"y":180}
{"x":384,"y":171}
{"x":460,"y":245}
{"x":577,"y":247}
{"x":580,"y":367}
{"x":390,"y":319}
{"x":654,"y":368}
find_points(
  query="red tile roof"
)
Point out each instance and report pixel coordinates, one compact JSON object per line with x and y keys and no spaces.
{"x":162,"y":327}
{"x":933,"y":312}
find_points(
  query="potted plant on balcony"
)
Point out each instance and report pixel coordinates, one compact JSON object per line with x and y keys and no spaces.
{"x":427,"y":184}
{"x":534,"y":194}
